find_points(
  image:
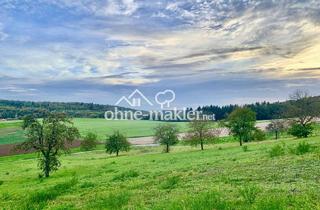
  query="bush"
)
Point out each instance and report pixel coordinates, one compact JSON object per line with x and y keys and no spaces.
{"x":245,"y":148}
{"x":259,"y":135}
{"x":277,"y":150}
{"x":89,"y":142}
{"x":126,"y":175}
{"x":301,"y":148}
{"x":301,"y":131}
{"x":171,"y":182}
{"x":249,"y":193}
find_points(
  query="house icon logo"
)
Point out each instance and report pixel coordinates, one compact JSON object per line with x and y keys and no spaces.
{"x":135,"y":99}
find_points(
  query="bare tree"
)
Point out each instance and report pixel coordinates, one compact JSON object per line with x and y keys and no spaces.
{"x":302,"y":111}
{"x":277,"y":126}
{"x":201,"y":132}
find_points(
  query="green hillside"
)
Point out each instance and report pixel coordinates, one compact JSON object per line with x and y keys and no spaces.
{"x":224,"y":176}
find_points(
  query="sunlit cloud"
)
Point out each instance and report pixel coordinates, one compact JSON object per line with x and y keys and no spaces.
{"x":145,"y":43}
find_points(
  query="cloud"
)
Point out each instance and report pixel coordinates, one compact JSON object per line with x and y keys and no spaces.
{"x":139,"y":43}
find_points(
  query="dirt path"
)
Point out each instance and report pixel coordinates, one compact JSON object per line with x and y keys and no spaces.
{"x":149,"y":140}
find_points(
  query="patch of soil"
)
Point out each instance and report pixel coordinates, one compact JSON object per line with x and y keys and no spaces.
{"x":9,"y":149}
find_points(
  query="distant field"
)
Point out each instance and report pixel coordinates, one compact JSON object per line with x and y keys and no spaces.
{"x":11,"y":132}
{"x":130,"y":127}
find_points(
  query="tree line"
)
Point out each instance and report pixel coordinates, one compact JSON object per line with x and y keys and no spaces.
{"x":264,"y":110}
{"x":19,"y":109}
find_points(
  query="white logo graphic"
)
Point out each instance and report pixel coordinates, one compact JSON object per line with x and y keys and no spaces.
{"x":134,"y":99}
{"x":165,"y":98}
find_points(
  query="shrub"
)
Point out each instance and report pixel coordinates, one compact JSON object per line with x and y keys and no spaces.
{"x":171,"y":182}
{"x":245,"y":148}
{"x":301,"y":148}
{"x":259,"y":135}
{"x":301,"y":131}
{"x":126,"y":175}
{"x":249,"y":193}
{"x":89,"y":142}
{"x":277,"y":150}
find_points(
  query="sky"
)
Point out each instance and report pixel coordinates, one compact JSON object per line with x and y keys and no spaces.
{"x":207,"y":52}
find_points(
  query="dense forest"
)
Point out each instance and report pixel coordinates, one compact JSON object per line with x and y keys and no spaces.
{"x":264,"y":110}
{"x":18,"y":109}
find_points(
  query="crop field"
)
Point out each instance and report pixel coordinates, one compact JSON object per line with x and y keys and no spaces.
{"x":11,"y":132}
{"x":223,"y":176}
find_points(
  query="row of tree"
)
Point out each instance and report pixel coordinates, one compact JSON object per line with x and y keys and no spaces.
{"x":264,"y":110}
{"x":20,"y":109}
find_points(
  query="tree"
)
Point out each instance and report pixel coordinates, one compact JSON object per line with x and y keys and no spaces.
{"x":166,"y":134}
{"x":117,"y":142}
{"x":241,"y":123}
{"x":89,"y":142}
{"x":302,"y":111}
{"x":201,"y":132}
{"x":276,"y":126}
{"x":49,"y":137}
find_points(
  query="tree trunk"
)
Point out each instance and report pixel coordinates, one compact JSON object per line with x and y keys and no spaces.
{"x":47,"y":166}
{"x":167,"y":148}
{"x":201,"y":143}
{"x":277,"y":135}
{"x":240,"y":141}
{"x":117,"y":152}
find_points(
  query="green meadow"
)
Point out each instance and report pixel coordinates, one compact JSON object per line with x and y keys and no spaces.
{"x":223,"y":176}
{"x":11,"y":132}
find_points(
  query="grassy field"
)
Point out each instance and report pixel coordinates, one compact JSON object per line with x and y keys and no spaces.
{"x":224,"y":176}
{"x":11,"y":132}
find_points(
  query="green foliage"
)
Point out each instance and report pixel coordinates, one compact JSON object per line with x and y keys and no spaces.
{"x":301,"y":131}
{"x":1,"y":182}
{"x":117,"y":142}
{"x":277,"y":150}
{"x":170,"y":183}
{"x":245,"y":148}
{"x":301,"y":149}
{"x":166,"y":134}
{"x":89,"y":142}
{"x":241,"y":123}
{"x":249,"y":193}
{"x":49,"y":137}
{"x":126,"y":175}
{"x":259,"y":135}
